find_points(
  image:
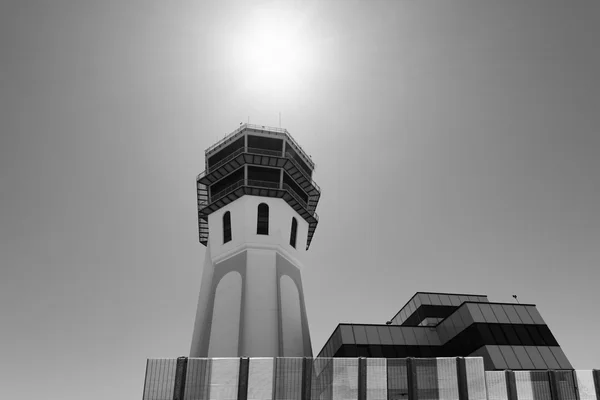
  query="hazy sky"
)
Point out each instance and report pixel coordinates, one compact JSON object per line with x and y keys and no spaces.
{"x":456,"y":145}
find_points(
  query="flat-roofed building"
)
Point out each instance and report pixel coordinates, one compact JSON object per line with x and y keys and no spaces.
{"x":507,"y":335}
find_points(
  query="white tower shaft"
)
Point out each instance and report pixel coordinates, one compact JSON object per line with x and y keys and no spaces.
{"x":251,"y":299}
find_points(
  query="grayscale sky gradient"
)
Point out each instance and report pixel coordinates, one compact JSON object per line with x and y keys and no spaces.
{"x":456,"y":144}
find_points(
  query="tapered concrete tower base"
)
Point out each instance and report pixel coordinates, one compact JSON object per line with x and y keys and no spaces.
{"x":251,"y":299}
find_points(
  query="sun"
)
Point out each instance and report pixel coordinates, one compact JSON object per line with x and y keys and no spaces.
{"x":274,"y":50}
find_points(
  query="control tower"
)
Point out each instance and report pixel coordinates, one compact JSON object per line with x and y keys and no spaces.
{"x":256,"y":217}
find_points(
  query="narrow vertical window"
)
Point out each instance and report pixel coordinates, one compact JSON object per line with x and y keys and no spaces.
{"x":293,"y":232}
{"x":226,"y":227}
{"x":262,"y":227}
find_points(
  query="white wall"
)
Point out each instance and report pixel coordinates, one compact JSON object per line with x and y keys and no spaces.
{"x":291,"y":319}
{"x":244,"y":215}
{"x":225,"y":326}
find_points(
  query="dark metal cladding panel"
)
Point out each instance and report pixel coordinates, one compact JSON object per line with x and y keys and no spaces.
{"x":362,"y":378}
{"x":180,"y":375}
{"x":511,"y":385}
{"x":461,"y":367}
{"x":412,"y":380}
{"x":243,"y":379}
{"x":596,"y":374}
{"x":307,"y":373}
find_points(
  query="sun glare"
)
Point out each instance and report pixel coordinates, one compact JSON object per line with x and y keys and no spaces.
{"x":275,"y":50}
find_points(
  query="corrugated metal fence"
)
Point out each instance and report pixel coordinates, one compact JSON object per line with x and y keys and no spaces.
{"x":358,"y":379}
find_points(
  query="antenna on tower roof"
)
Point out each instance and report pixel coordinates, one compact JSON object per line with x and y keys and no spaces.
{"x":279,"y":119}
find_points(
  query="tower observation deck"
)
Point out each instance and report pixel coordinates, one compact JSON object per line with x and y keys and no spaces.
{"x":261,"y":161}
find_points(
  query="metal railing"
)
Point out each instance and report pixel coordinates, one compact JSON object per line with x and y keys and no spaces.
{"x":229,"y":137}
{"x":255,"y":183}
{"x":262,"y":184}
{"x":227,"y":190}
{"x":225,"y":139}
{"x":251,"y":150}
{"x":302,"y":171}
{"x":254,"y":150}
{"x":226,"y":159}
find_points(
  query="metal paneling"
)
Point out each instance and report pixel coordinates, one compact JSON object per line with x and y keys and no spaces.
{"x":487,"y":312}
{"x":457,"y":321}
{"x":360,"y":334}
{"x":561,"y":358}
{"x":435,"y":299}
{"x":322,"y":379}
{"x":424,"y":298}
{"x":397,"y":379}
{"x":397,"y":335}
{"x":535,"y":315}
{"x":445,"y":299}
{"x":372,"y":335}
{"x":465,"y":316}
{"x":523,"y":358}
{"x":454,"y":300}
{"x":497,"y":357}
{"x":565,"y":384}
{"x":197,"y":381}
{"x":402,"y":315}
{"x":282,"y":379}
{"x":417,"y":301}
{"x":548,"y":357}
{"x":475,"y":378}
{"x":426,"y":370}
{"x":260,"y":379}
{"x":510,"y":311}
{"x":410,"y":309}
{"x":384,"y":335}
{"x":475,"y":312}
{"x":464,"y":298}
{"x":496,"y":385}
{"x":523,"y":314}
{"x":532,"y":385}
{"x":499,"y":313}
{"x":224,"y":378}
{"x":288,"y":379}
{"x":447,"y":378}
{"x":535,"y":357}
{"x":510,"y":357}
{"x":409,"y":336}
{"x":336,"y":341}
{"x":421,"y":336}
{"x":345,"y":379}
{"x":160,"y":379}
{"x":540,"y":382}
{"x":450,"y":328}
{"x":442,"y":331}
{"x":376,"y":379}
{"x":585,"y":384}
{"x":432,"y":336}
